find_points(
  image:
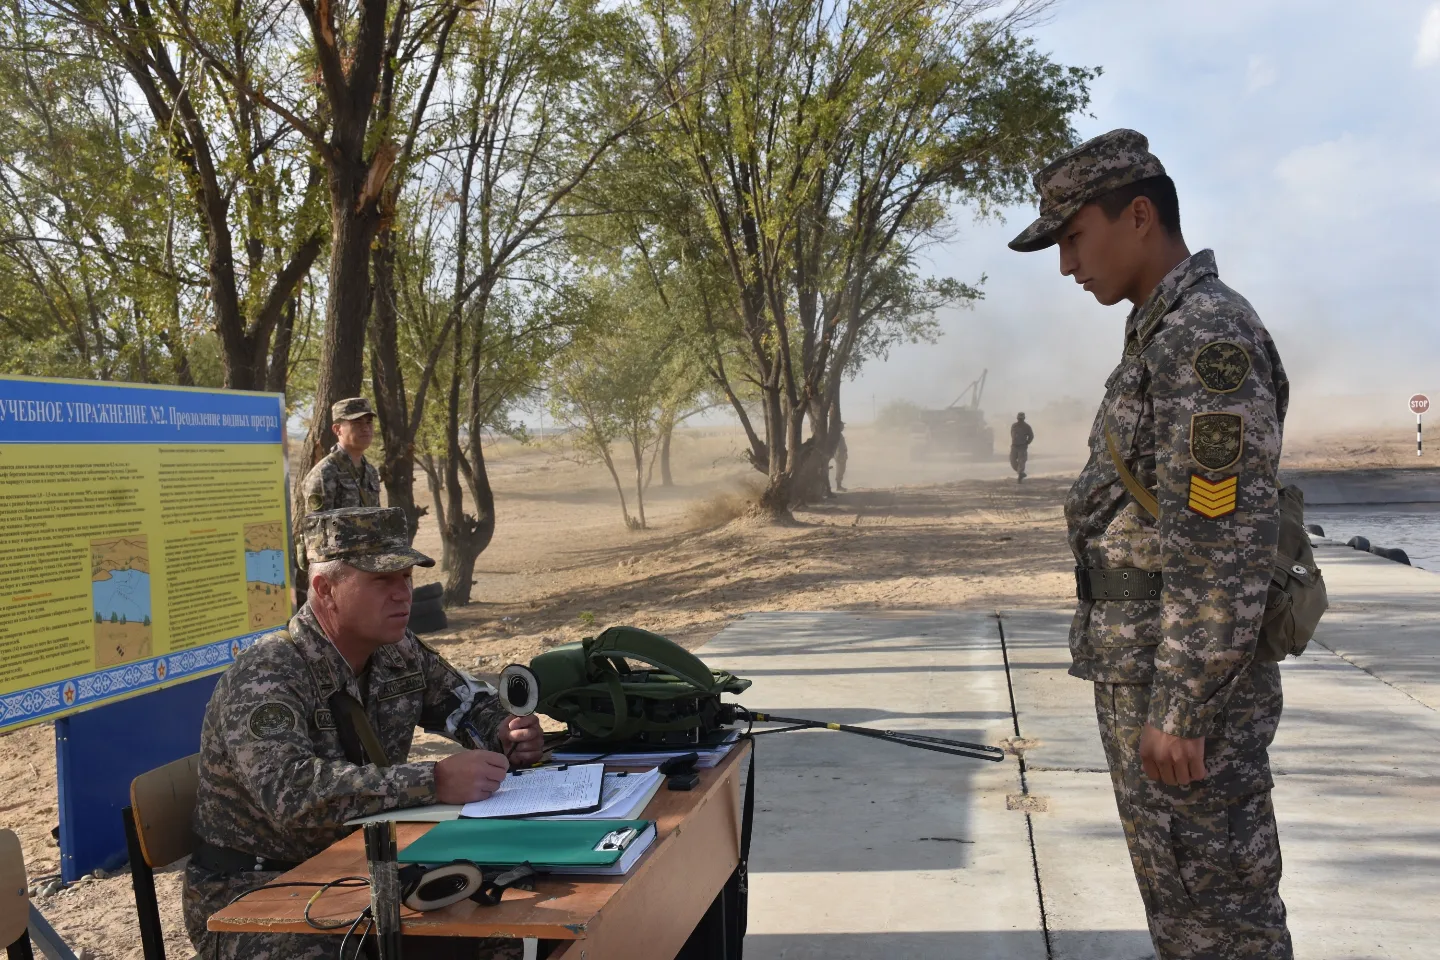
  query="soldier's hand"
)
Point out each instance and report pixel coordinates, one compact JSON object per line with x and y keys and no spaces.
{"x":469,"y":775}
{"x":523,"y":741}
{"x":1177,"y":761}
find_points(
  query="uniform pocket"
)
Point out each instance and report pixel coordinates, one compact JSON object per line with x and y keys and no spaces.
{"x":1227,"y":858}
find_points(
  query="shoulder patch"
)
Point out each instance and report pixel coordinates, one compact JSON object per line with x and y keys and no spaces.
{"x":1212,"y":500}
{"x":270,"y":720}
{"x":324,"y":719}
{"x":1216,"y":439}
{"x":1222,"y":366}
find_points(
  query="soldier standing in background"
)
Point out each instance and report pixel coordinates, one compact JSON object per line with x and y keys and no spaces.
{"x":842,"y":455}
{"x":312,"y":727}
{"x":1021,"y":436}
{"x":1170,"y":608}
{"x":343,"y":478}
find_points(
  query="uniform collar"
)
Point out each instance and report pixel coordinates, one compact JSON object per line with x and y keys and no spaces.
{"x":338,"y":453}
{"x":329,"y":668}
{"x":1144,"y":319}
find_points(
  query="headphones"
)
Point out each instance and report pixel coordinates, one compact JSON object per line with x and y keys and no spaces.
{"x":425,"y":888}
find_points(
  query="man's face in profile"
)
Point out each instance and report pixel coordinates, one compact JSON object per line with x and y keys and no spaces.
{"x":1102,"y":255}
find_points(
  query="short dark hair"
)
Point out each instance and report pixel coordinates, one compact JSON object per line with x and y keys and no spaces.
{"x":1160,"y":191}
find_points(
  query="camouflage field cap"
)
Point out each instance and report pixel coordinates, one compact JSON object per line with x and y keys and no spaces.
{"x":1093,"y":169}
{"x":367,"y":538}
{"x":351,"y":409}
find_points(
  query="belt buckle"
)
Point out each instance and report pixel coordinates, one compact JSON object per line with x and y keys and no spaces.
{"x":1083,"y":592}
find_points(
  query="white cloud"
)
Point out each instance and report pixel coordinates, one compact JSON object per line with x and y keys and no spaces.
{"x":1353,"y":177}
{"x":1427,"y":45}
{"x":1260,"y":74}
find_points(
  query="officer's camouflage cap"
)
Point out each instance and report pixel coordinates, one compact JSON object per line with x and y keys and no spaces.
{"x":367,"y":538}
{"x":352,"y":408}
{"x":1111,"y":160}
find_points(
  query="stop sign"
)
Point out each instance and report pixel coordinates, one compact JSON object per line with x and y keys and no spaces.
{"x":1419,"y":403}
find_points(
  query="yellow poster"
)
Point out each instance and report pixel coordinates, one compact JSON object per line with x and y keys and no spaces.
{"x":142,"y":540}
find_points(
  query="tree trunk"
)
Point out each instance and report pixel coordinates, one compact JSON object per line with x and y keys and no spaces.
{"x":434,"y":479}
{"x":397,"y":465}
{"x":667,"y":429}
{"x":342,"y":351}
{"x":619,"y":487}
{"x":638,"y":449}
{"x":278,"y":374}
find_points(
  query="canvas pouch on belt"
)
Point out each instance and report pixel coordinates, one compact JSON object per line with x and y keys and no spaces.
{"x":1296,"y":599}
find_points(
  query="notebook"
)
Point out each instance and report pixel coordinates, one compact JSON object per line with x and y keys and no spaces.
{"x":624,"y":797}
{"x":598,"y":847}
{"x":544,"y":790}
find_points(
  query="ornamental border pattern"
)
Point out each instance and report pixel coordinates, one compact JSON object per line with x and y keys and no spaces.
{"x":94,"y":689}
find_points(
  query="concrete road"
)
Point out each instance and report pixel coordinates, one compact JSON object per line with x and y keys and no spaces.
{"x":866,"y":850}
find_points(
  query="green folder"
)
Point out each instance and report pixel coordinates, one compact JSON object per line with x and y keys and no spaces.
{"x":553,"y":846}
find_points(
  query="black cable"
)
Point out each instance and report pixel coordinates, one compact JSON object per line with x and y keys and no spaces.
{"x":954,"y":748}
{"x":365,"y":915}
{"x":342,"y":883}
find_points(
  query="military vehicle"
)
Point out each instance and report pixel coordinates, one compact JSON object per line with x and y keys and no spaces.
{"x":957,"y":431}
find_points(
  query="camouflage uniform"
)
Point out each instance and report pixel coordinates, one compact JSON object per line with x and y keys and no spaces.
{"x":1196,"y":408}
{"x":336,"y":481}
{"x":1021,"y":436}
{"x":842,"y":457}
{"x":274,"y":778}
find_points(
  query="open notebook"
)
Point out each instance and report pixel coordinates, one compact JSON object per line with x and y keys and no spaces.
{"x":623,"y":796}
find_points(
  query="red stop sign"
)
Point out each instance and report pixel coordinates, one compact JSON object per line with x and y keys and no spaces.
{"x":1419,"y":403}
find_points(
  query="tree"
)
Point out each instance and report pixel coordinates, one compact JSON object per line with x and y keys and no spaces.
{"x":824,"y":144}
{"x":248,"y":180}
{"x":619,"y":384}
{"x":529,"y":124}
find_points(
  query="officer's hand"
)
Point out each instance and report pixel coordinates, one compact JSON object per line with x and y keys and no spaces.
{"x":1176,"y":761}
{"x":469,"y":775}
{"x":523,"y":741}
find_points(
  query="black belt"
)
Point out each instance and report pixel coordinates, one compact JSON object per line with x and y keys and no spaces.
{"x":1117,"y":583}
{"x":224,"y":860}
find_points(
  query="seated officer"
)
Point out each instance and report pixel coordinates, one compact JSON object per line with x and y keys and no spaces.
{"x":283,"y":763}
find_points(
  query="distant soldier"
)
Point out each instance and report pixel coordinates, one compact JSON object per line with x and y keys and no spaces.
{"x":1174,"y":523}
{"x":842,"y":454}
{"x":344,"y":478}
{"x":1021,"y":437}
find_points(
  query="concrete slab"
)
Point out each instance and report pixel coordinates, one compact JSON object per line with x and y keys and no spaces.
{"x":867,"y":850}
{"x":864,"y":849}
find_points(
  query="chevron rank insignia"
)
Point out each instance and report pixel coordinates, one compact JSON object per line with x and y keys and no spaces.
{"x":1213,"y":499}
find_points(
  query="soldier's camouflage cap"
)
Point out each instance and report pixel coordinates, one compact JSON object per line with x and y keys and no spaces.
{"x":351,"y":409}
{"x":367,"y":538}
{"x":1109,"y":161}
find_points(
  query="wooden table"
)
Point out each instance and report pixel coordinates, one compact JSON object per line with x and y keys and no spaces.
{"x":646,"y":915}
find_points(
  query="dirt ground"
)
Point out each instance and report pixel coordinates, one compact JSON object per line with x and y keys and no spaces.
{"x":909,"y":534}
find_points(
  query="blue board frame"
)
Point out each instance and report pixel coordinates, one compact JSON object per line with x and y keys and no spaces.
{"x":98,"y":753}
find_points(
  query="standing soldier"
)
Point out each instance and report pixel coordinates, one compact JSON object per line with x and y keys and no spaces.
{"x":1021,"y":437}
{"x":344,"y":478}
{"x":1170,"y":604}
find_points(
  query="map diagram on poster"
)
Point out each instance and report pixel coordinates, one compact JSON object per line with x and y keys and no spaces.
{"x":120,"y":590}
{"x":143,"y":538}
{"x":267,"y":597}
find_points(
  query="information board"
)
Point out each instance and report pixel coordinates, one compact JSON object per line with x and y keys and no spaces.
{"x":143,"y":536}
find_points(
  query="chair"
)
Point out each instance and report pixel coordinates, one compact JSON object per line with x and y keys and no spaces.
{"x":14,"y":899}
{"x":157,"y":833}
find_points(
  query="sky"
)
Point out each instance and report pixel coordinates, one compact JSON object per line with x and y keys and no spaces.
{"x":1304,"y":139}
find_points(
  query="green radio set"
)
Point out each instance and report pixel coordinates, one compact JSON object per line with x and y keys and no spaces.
{"x":630,"y":687}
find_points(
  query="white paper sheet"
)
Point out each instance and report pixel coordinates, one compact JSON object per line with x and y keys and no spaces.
{"x":528,"y":793}
{"x":623,"y":797}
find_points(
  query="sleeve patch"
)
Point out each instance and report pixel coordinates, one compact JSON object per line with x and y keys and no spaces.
{"x":270,"y":720}
{"x":1216,"y":439}
{"x":1222,"y":366}
{"x":1213,"y":500}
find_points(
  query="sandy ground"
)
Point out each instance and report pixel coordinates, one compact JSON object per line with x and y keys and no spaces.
{"x":928,"y":534}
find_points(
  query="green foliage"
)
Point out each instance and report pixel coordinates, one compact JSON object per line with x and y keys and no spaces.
{"x":587,"y":618}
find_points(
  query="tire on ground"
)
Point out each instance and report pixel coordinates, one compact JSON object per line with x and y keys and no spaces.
{"x":426,"y":606}
{"x":428,"y":621}
{"x":1315,"y":528}
{"x":427,"y":591}
{"x":1359,"y":543}
{"x":1392,"y":553}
